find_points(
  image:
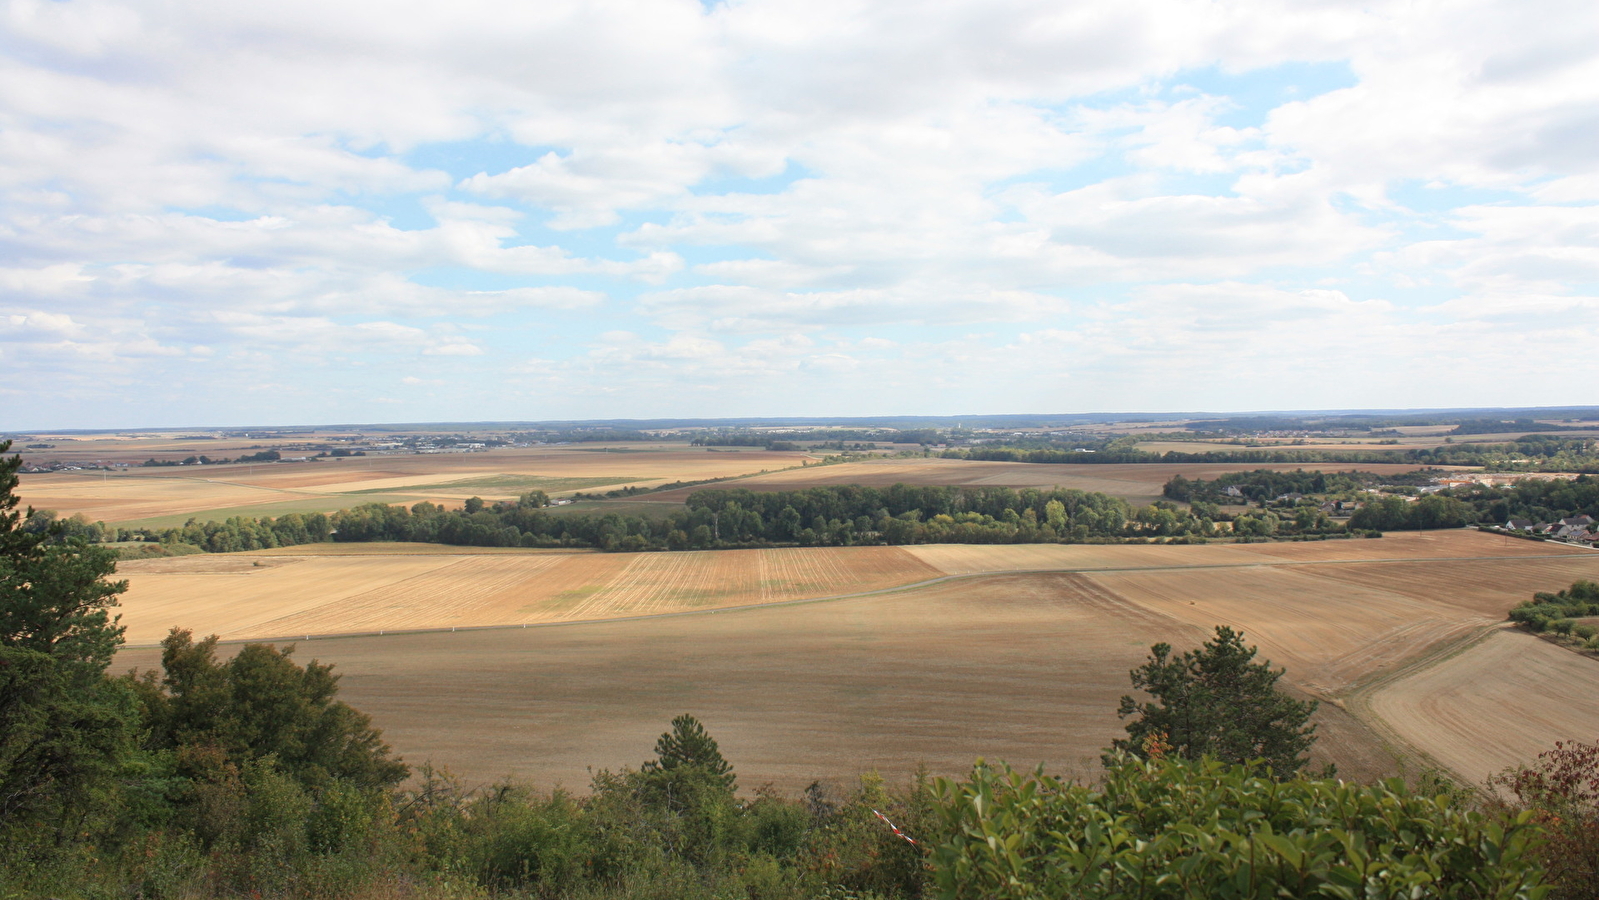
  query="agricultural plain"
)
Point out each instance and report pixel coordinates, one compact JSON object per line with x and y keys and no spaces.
{"x":1138,"y":483}
{"x":166,"y":496}
{"x":1016,"y":652}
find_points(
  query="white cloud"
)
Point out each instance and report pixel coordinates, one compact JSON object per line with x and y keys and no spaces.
{"x":764,"y":189}
{"x":458,"y":348}
{"x":38,"y":324}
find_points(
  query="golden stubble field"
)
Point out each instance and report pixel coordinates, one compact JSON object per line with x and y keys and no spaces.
{"x":1017,"y":652}
{"x":1501,"y":699}
{"x":254,"y":596}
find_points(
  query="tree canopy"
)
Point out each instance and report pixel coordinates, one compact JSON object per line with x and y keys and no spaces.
{"x":689,"y":746}
{"x":262,"y":703}
{"x":63,"y":725}
{"x":1217,"y":701}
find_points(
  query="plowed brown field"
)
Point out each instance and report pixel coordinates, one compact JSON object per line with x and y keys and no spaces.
{"x":1497,"y":703}
{"x":1026,"y":668}
{"x":1021,"y":666}
{"x":1436,"y":545}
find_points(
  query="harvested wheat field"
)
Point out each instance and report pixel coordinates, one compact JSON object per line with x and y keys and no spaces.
{"x":1497,"y":703}
{"x":1024,"y":668}
{"x":274,"y":594}
{"x":322,"y":589}
{"x":1021,"y":666}
{"x":969,"y":559}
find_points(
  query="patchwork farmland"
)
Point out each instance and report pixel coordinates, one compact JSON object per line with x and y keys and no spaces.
{"x":164,"y":497}
{"x":1015,"y":652}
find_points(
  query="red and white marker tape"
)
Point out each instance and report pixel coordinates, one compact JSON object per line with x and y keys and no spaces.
{"x":893,"y":826}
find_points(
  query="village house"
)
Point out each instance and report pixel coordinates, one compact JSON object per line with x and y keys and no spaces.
{"x":1569,"y":529}
{"x":1340,"y":507}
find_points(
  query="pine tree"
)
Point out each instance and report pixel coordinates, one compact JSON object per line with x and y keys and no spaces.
{"x":64,"y":727}
{"x":1216,"y":701}
{"x":689,"y":746}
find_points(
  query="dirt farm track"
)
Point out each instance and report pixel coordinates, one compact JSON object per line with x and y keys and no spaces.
{"x":935,"y":654}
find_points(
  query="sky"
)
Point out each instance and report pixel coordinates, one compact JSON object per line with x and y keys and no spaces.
{"x":228,"y":213}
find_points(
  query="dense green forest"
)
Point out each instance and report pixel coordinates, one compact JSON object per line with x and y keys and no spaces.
{"x":833,"y":515}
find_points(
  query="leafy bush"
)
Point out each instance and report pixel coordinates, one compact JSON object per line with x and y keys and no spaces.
{"x":1553,"y":612}
{"x":1173,"y":828}
{"x":1561,"y":789}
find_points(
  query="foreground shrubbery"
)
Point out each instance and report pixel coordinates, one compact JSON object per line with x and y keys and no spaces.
{"x":196,"y":826}
{"x":1561,"y":788}
{"x":1156,"y":828}
{"x":1170,"y":828}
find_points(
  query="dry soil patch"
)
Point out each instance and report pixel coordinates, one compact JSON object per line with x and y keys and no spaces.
{"x":1498,"y":703}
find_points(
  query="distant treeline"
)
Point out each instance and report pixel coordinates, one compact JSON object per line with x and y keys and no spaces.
{"x":1356,"y":421}
{"x":1533,"y":453}
{"x":1500,"y":426}
{"x":606,"y":435}
{"x":834,"y":515}
{"x":1268,"y":484}
{"x":789,"y":440}
{"x":203,"y":460}
{"x":1125,"y":450}
{"x":1537,"y":500}
{"x":265,"y":456}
